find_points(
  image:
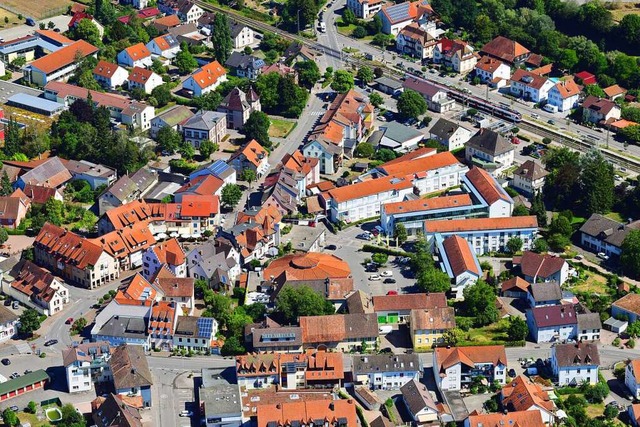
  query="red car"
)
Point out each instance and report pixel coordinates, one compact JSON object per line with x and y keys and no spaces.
{"x":392,"y":293}
{"x":69,"y":321}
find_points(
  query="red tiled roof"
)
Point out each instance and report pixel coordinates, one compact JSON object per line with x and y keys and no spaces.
{"x":505,"y":49}
{"x":327,"y":410}
{"x":172,"y":286}
{"x":50,"y":34}
{"x":77,"y":17}
{"x":170,"y":252}
{"x":515,"y":284}
{"x":140,"y":75}
{"x":64,"y":56}
{"x":528,"y":78}
{"x":196,"y":205}
{"x":433,"y":203}
{"x":202,"y":185}
{"x":105,"y":69}
{"x":409,"y":301}
{"x":208,"y":74}
{"x":448,"y":357}
{"x":537,"y":265}
{"x":512,"y":419}
{"x":366,"y":188}
{"x":488,"y":64}
{"x":68,"y":247}
{"x":487,"y":186}
{"x":473,"y":224}
{"x":138,"y":290}
{"x":122,"y":242}
{"x":168,"y":21}
{"x":460,"y":256}
{"x":420,"y":164}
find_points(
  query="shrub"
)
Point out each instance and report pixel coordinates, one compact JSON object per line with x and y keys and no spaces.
{"x":616,"y":342}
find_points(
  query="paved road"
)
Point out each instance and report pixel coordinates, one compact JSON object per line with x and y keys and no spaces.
{"x":61,"y":22}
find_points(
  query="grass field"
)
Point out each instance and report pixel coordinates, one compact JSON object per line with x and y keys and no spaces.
{"x":615,"y":216}
{"x":280,"y":128}
{"x":486,"y":334}
{"x":623,"y":9}
{"x":594,"y":283}
{"x":32,"y":419}
{"x":38,"y":9}
{"x":13,"y":19}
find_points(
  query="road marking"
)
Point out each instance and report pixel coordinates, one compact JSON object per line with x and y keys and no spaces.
{"x":163,"y":396}
{"x":316,"y":113}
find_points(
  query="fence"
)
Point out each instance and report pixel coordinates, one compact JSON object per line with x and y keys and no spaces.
{"x":44,"y":14}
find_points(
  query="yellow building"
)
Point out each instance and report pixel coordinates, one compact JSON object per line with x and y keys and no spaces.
{"x":428,"y":325}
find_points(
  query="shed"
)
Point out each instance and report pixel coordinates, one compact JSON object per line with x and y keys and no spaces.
{"x":615,"y":325}
{"x":35,"y":104}
{"x":360,"y":166}
{"x":388,"y":86}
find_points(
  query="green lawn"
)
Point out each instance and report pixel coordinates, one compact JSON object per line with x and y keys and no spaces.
{"x":615,"y":216}
{"x":281,"y":128}
{"x":32,"y":419}
{"x":343,"y":28}
{"x":486,"y":334}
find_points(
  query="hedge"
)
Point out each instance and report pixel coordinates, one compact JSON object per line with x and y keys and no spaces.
{"x":381,"y":250}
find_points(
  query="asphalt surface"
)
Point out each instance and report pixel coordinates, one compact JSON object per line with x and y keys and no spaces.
{"x":61,"y":22}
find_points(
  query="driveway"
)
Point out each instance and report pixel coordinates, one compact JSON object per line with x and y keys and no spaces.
{"x":60,"y":21}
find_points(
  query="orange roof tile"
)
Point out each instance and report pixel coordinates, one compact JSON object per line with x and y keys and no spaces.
{"x":172,"y":286}
{"x":208,"y":74}
{"x":140,"y":75}
{"x":327,"y":410}
{"x":460,"y":256}
{"x":105,"y":69}
{"x":434,"y":203}
{"x":420,"y":164}
{"x":567,"y":88}
{"x":170,"y":252}
{"x":635,"y":364}
{"x":512,"y":419}
{"x":168,"y":21}
{"x":63,"y":57}
{"x":68,"y":247}
{"x":440,"y":318}
{"x":515,"y":283}
{"x":203,"y":206}
{"x":254,"y":152}
{"x":367,"y":188}
{"x":202,"y":185}
{"x":521,"y":394}
{"x":129,"y":214}
{"x":308,"y":266}
{"x":409,"y":301}
{"x":474,"y":224}
{"x":448,"y":357}
{"x":138,"y":51}
{"x":162,"y":43}
{"x":161,"y":321}
{"x":50,"y":34}
{"x":138,"y":290}
{"x":622,"y":123}
{"x":614,"y":90}
{"x":122,"y":242}
{"x":487,"y":186}
{"x":488,"y":64}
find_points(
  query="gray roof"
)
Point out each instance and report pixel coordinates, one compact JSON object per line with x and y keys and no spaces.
{"x":204,"y":120}
{"x":115,"y":412}
{"x":399,"y":132}
{"x":175,"y":115}
{"x":546,"y":291}
{"x":220,"y":397}
{"x":359,"y":302}
{"x":531,"y":170}
{"x":608,"y":230}
{"x":589,"y":321}
{"x":444,"y":129}
{"x":294,"y":332}
{"x":129,"y":367}
{"x":52,"y":172}
{"x":490,"y":142}
{"x":124,"y":327}
{"x":372,"y":363}
{"x":235,"y":28}
{"x":241,"y":60}
{"x":386,"y":81}
{"x":579,"y":354}
{"x":86,"y":167}
{"x":22,"y":100}
{"x":126,"y":186}
{"x":417,"y":396}
{"x":7,"y":316}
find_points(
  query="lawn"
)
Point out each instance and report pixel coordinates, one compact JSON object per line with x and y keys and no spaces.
{"x":595,"y":410}
{"x":281,"y":128}
{"x":625,"y":9}
{"x":343,"y":28}
{"x":32,"y":419}
{"x":38,"y":9}
{"x":594,"y":283}
{"x":13,"y":19}
{"x":615,"y":216}
{"x":486,"y":334}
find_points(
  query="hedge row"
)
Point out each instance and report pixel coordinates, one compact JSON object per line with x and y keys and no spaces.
{"x":382,"y":250}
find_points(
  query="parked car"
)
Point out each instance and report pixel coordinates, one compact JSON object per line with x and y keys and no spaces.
{"x":389,"y":280}
{"x":512,"y":373}
{"x":363,"y":236}
{"x":387,"y":273}
{"x":6,"y":362}
{"x":50,"y":343}
{"x":331,"y":247}
{"x":14,"y":375}
{"x":603,"y":256}
{"x":392,"y":293}
{"x":186,"y":413}
{"x":374,"y":277}
{"x":27,"y":371}
{"x":69,"y":321}
{"x":31,"y":22}
{"x":15,"y":305}
{"x":380,"y":229}
{"x":14,"y":408}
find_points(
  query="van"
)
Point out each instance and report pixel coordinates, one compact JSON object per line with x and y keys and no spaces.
{"x":322,"y":27}
{"x":385,"y":329}
{"x":30,"y":22}
{"x":534,"y":116}
{"x":550,"y":108}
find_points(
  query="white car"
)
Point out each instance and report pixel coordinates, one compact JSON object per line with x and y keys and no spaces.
{"x":387,"y":273}
{"x":186,"y":413}
{"x":374,"y":277}
{"x":603,"y":256}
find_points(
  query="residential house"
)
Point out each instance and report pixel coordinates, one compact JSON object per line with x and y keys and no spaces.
{"x":286,"y":187}
{"x":564,"y":95}
{"x":428,"y":325}
{"x":238,"y":106}
{"x":95,"y":174}
{"x":269,"y":336}
{"x":388,"y":86}
{"x":188,"y":11}
{"x":364,"y":9}
{"x":415,"y":41}
{"x":529,"y":177}
{"x":553,"y":323}
{"x":573,"y":364}
{"x":58,"y":65}
{"x":50,"y":173}
{"x":452,"y":135}
{"x":419,"y":402}
{"x":386,"y":371}
{"x":255,"y":233}
{"x":204,"y":126}
{"x":455,"y":367}
{"x":530,"y":86}
{"x":126,"y":189}
{"x":543,"y":268}
{"x":241,"y":34}
{"x":217,"y":264}
{"x":145,"y":13}
{"x":632,"y":378}
{"x":179,"y":290}
{"x":455,"y":54}
{"x":516,"y":287}
{"x":492,"y":71}
{"x":341,"y":332}
{"x":79,"y":16}
{"x":251,"y":156}
{"x":520,"y":418}
{"x":486,"y":234}
{"x":282,"y":70}
{"x":614,"y":92}
{"x":127,"y":244}
{"x":165,"y":23}
{"x":589,"y":326}
{"x":128,"y":112}
{"x":298,"y":413}
{"x":163,"y":318}
{"x":135,"y":56}
{"x":138,"y":4}
{"x":326,"y":274}
{"x":36,"y":288}
{"x":13,"y":209}
{"x":491,"y":151}
{"x":74,"y":258}
{"x":167,"y":254}
{"x":113,"y":410}
{"x":297,"y":52}
{"x":544,"y":294}
{"x":597,"y":110}
{"x":634,"y":414}
{"x":196,"y":334}
{"x":243,"y":65}
{"x":109,"y":75}
{"x":40,"y":195}
{"x":605,"y":235}
{"x":141,"y":78}
{"x":174,"y":117}
{"x":397,"y":16}
{"x":125,"y":327}
{"x":219,"y":169}
{"x":437,"y":98}
{"x":522,"y":394}
{"x":398,"y":308}
{"x":131,"y":375}
{"x":458,"y":260}
{"x":220,"y":400}
{"x":165,"y":46}
{"x":488,"y":191}
{"x":399,"y":138}
{"x":203,"y":185}
{"x":506,"y":50}
{"x":9,"y":322}
{"x":86,"y":364}
{"x":205,"y":79}
{"x":628,"y":306}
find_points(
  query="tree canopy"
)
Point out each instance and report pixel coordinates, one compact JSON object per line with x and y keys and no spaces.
{"x":342,"y":81}
{"x":257,"y":127}
{"x":221,"y":38}
{"x":411,"y":104}
{"x":293,"y":302}
{"x":480,"y":302}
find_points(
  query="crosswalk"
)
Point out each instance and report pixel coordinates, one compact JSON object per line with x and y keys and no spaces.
{"x":23,"y":348}
{"x":316,"y":113}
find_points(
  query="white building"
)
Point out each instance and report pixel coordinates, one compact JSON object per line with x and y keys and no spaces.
{"x":589,"y":326}
{"x":205,"y":79}
{"x":529,"y":177}
{"x":490,"y":151}
{"x":490,"y":70}
{"x":552,"y":323}
{"x":144,"y":79}
{"x":450,"y":134}
{"x":419,"y":402}
{"x":86,"y":364}
{"x":488,"y":191}
{"x":8,"y":324}
{"x":530,"y":86}
{"x":459,"y":262}
{"x":400,"y":138}
{"x":165,"y":46}
{"x":242,"y":35}
{"x":576,"y":363}
{"x":196,"y":334}
{"x":564,"y":95}
{"x":167,"y":254}
{"x":632,"y":378}
{"x":455,"y":367}
{"x":386,"y":371}
{"x":109,"y":75}
{"x":436,"y":97}
{"x":364,"y":9}
{"x":135,"y":56}
{"x":456,"y":54}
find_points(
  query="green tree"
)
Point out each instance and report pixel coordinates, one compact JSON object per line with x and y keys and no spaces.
{"x":4,"y":236}
{"x":382,"y":40}
{"x":514,"y":245}
{"x":568,"y":59}
{"x":558,"y":242}
{"x":629,"y":29}
{"x":29,"y":322}
{"x":540,"y":245}
{"x":385,"y":155}
{"x":348,"y":17}
{"x":293,"y":303}
{"x":219,"y":306}
{"x":168,"y":139}
{"x":5,"y":185}
{"x":12,"y":138}
{"x":187,"y":151}
{"x":480,"y":300}
{"x":561,"y":225}
{"x":308,"y":73}
{"x":596,"y":183}
{"x":342,"y":81}
{"x":32,"y":407}
{"x":431,"y":279}
{"x":248,"y":175}
{"x":221,"y":38}
{"x":610,"y":411}
{"x":411,"y":104}
{"x":594,"y":90}
{"x":232,"y":347}
{"x":71,"y":417}
{"x":184,"y":60}
{"x":9,"y":418}
{"x":162,"y":94}
{"x":207,"y":148}
{"x":400,"y":233}
{"x":257,"y":127}
{"x":359,"y":32}
{"x":630,"y":257}
{"x":53,"y":211}
{"x":453,"y":336}
{"x":517,"y":329}
{"x":520,"y":210}
{"x":231,"y":195}
{"x":376,"y":99}
{"x":365,"y":74}
{"x":209,"y":101}
{"x":380,"y":258}
{"x":363,"y":150}
{"x":538,"y":209}
{"x":87,"y":30}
